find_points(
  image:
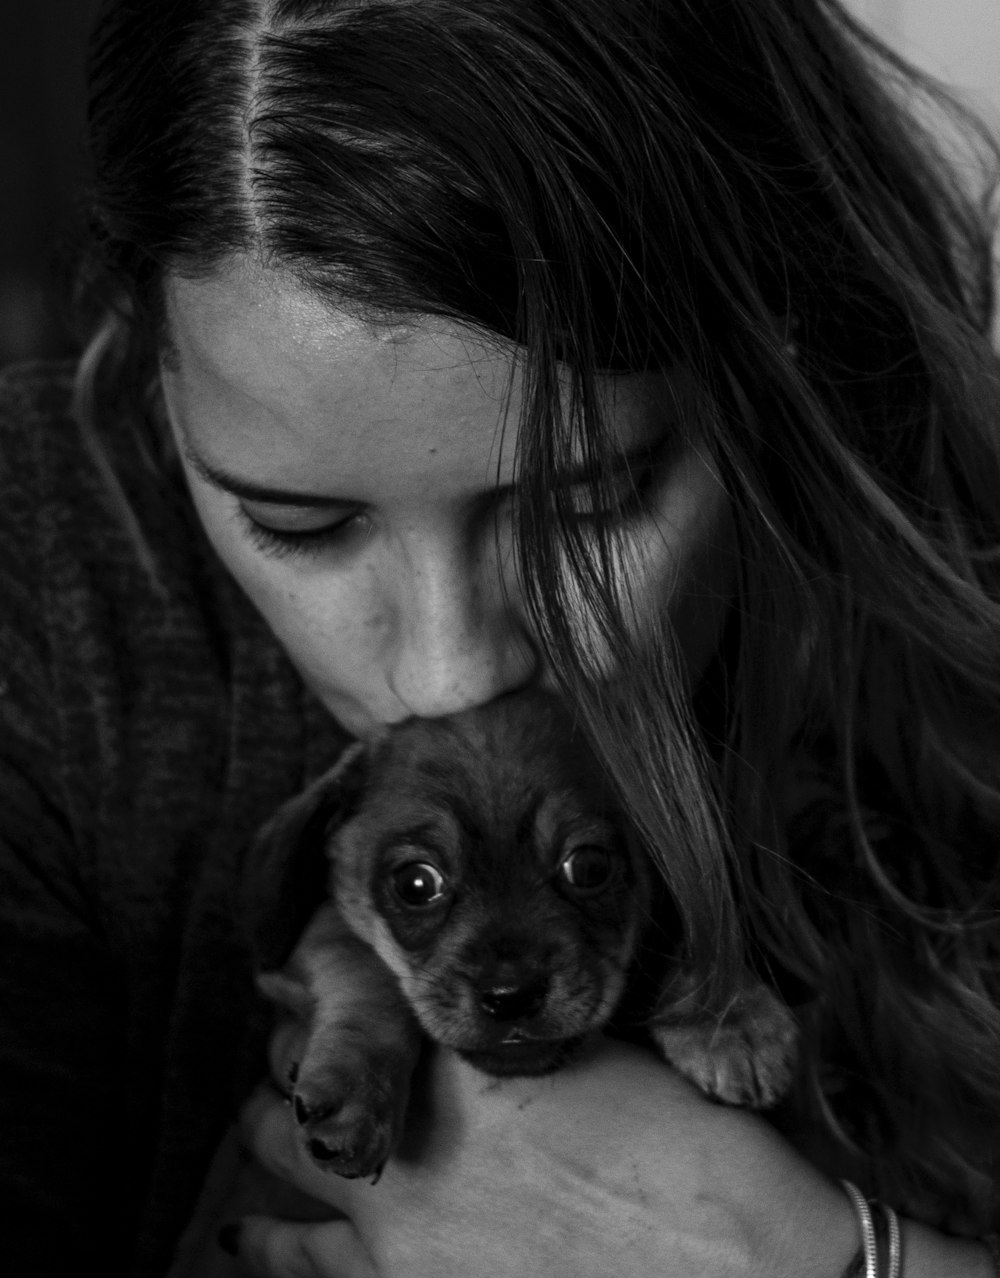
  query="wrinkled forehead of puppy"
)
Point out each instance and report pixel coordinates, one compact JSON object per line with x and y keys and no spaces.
{"x":515,"y":766}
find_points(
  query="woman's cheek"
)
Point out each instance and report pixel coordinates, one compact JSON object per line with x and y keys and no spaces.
{"x":318,"y":615}
{"x":320,"y":619}
{"x":674,"y":568}
{"x":684,"y":560}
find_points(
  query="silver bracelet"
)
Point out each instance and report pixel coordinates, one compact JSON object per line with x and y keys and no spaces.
{"x":866,"y":1225}
{"x":886,"y":1231}
{"x":895,"y":1240}
{"x":866,"y":1261}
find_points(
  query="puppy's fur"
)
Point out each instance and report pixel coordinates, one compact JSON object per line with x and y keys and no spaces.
{"x":485,"y":892}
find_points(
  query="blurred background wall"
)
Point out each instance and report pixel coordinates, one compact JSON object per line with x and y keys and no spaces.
{"x":41,"y":127}
{"x":956,"y":40}
{"x":41,"y":160}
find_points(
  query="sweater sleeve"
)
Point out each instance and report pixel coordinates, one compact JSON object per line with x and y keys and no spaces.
{"x":63,"y":1185}
{"x":149,"y":724}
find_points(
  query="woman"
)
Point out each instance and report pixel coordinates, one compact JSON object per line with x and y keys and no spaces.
{"x":436,"y":349}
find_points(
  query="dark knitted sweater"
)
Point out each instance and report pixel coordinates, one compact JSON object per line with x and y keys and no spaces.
{"x":144,"y":736}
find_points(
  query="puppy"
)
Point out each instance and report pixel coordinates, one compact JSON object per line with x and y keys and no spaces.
{"x":484,"y":891}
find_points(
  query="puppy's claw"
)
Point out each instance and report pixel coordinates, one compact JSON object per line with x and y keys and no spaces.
{"x":315,"y":1112}
{"x":322,"y":1153}
{"x":377,"y":1174}
{"x":347,"y":1138}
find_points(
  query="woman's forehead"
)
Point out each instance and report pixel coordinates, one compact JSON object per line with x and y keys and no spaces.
{"x":265,"y":374}
{"x":227,"y":321}
{"x":262,"y":367}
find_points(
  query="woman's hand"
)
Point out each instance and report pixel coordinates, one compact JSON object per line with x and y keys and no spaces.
{"x":614,"y":1164}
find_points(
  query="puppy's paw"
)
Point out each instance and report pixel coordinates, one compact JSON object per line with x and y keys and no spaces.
{"x":351,"y":1118}
{"x":747,"y":1057}
{"x":349,"y":1090}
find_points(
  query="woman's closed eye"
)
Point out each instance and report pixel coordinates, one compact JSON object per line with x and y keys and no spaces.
{"x":624,"y":493}
{"x":621,"y":495}
{"x":301,"y":531}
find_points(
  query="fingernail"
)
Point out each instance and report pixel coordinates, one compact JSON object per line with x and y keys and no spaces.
{"x":229,"y":1239}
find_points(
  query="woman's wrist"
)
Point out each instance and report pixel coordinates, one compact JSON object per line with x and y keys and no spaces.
{"x":891,"y":1247}
{"x":929,"y":1254}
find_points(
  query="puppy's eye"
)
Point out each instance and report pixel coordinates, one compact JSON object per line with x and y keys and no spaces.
{"x":588,"y":868}
{"x":418,"y":883}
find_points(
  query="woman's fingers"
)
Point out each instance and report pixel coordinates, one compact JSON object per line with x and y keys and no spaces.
{"x":268,"y":1130}
{"x":271,"y":1248}
{"x":612,"y":1160}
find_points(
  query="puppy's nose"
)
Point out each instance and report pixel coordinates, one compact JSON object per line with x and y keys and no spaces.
{"x":513,"y":1002}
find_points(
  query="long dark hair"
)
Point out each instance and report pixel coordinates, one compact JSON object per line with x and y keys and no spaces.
{"x":740,"y":189}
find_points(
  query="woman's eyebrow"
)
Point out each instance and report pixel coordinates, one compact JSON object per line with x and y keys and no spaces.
{"x":250,"y":490}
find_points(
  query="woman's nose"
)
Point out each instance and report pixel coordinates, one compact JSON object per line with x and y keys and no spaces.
{"x":459,"y":634}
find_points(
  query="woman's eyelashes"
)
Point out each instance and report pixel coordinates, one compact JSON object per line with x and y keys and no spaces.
{"x":626,"y":492}
{"x":282,"y":542}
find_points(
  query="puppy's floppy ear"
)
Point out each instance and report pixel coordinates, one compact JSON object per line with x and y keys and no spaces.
{"x":285,"y":871}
